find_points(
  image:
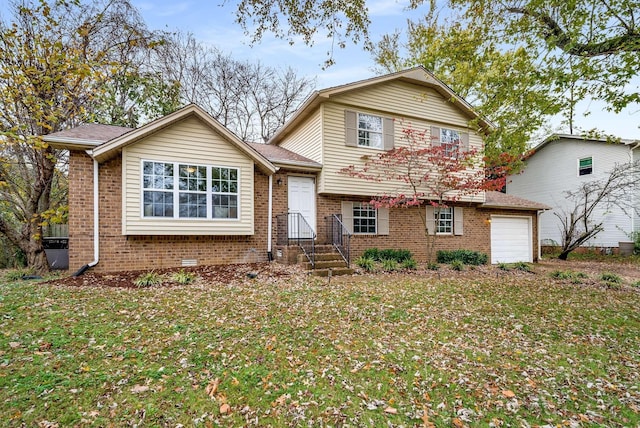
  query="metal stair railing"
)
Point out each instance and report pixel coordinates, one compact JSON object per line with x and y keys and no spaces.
{"x":293,"y":228}
{"x":339,"y":236}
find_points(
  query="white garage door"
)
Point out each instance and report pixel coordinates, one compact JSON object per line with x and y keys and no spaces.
{"x":511,"y":239}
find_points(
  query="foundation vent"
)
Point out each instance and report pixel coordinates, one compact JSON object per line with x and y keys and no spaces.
{"x":189,"y":262}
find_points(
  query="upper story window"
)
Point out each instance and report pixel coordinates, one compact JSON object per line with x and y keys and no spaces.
{"x":585,"y":166}
{"x":364,"y":218}
{"x":450,"y":141}
{"x":444,"y":220}
{"x":198,"y":191}
{"x":369,"y":131}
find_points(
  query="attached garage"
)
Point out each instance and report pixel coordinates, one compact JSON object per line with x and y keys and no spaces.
{"x":511,"y":239}
{"x":513,"y":225}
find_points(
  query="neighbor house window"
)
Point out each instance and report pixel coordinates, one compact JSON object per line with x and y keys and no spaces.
{"x":450,"y":141}
{"x":444,"y":220}
{"x":198,"y":191}
{"x":369,"y":131}
{"x":585,"y":166}
{"x":364,"y":218}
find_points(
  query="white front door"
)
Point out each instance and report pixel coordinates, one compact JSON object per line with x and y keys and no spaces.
{"x":302,"y":199}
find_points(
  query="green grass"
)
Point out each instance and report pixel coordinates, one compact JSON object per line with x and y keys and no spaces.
{"x":365,"y":351}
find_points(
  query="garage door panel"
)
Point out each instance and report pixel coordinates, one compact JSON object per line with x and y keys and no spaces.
{"x":511,"y":239}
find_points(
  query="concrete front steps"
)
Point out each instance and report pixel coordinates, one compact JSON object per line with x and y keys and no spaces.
{"x":328,"y":262}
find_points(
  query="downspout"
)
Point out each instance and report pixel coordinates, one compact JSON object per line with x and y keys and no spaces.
{"x":539,"y":234}
{"x":269,"y":219}
{"x":96,"y":222}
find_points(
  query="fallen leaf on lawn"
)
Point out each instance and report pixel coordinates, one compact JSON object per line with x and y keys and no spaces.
{"x":212,"y":388}
{"x":225,"y":409}
{"x":508,"y":393}
{"x":426,"y":423}
{"x":391,"y":410}
{"x":457,"y":423}
{"x":137,"y":389}
{"x":14,"y":345}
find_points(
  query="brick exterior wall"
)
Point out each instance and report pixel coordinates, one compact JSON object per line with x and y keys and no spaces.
{"x":405,"y":227}
{"x":406,"y":230}
{"x":118,"y":252}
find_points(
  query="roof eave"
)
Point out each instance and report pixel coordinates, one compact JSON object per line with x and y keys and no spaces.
{"x":71,"y":143}
{"x":301,"y":166}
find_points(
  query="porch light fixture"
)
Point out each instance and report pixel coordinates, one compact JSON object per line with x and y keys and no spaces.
{"x":279,"y":181}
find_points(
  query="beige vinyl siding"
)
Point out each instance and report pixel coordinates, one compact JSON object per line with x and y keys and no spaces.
{"x":337,"y":155}
{"x":408,"y":100}
{"x":306,"y":139}
{"x":189,"y":141}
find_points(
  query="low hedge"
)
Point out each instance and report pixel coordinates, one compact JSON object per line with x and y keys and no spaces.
{"x":467,"y":257}
{"x":389,"y":254}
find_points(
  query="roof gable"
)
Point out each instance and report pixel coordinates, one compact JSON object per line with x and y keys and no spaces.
{"x":115,"y":145}
{"x":418,"y":76}
{"x":633,"y":144}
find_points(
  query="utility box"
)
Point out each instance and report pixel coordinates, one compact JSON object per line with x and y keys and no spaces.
{"x":57,"y":251}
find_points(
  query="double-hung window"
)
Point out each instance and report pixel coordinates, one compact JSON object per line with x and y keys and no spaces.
{"x":364,"y":218}
{"x":184,"y":191}
{"x":444,"y":220}
{"x":158,"y":185}
{"x":585,"y":166}
{"x":370,"y":131}
{"x":450,"y":141}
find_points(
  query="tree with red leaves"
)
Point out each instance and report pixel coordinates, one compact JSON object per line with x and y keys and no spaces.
{"x":427,"y":172}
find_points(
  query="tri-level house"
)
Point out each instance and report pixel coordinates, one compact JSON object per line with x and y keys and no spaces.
{"x":183,"y":190}
{"x":562,"y":163}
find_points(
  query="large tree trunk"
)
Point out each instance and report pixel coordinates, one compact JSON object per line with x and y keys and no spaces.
{"x":33,"y":248}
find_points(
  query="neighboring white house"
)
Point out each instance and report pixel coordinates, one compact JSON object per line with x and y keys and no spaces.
{"x":562,"y":163}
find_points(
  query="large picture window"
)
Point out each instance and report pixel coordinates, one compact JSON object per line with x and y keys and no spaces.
{"x":364,"y":218}
{"x":198,"y":191}
{"x":369,"y":131}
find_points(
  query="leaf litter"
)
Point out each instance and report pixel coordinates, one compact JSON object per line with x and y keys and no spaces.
{"x":285,"y":349}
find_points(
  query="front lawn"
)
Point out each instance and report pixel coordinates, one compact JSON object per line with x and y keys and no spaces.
{"x":492,"y":349}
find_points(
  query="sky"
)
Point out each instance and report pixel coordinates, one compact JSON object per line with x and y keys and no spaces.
{"x":212,"y":22}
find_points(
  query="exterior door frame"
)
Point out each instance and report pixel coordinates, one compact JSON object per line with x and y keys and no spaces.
{"x":309,"y":208}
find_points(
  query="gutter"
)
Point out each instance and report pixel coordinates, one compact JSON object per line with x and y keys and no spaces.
{"x":96,"y":223}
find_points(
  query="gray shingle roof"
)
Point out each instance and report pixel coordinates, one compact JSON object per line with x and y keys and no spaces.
{"x":92,"y":131}
{"x":279,"y":155}
{"x":502,"y":200}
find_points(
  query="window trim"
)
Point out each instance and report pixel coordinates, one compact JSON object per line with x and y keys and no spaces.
{"x":590,"y":166}
{"x":176,"y":192}
{"x":370,"y":208}
{"x":380,"y":133}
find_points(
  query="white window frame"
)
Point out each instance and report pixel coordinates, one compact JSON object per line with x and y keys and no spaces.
{"x":580,"y":169}
{"x":364,"y":207}
{"x":176,"y":191}
{"x":364,"y":134}
{"x":444,"y":226}
{"x":450,"y":141}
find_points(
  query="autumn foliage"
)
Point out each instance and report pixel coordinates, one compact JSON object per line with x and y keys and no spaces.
{"x":428,"y":171}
